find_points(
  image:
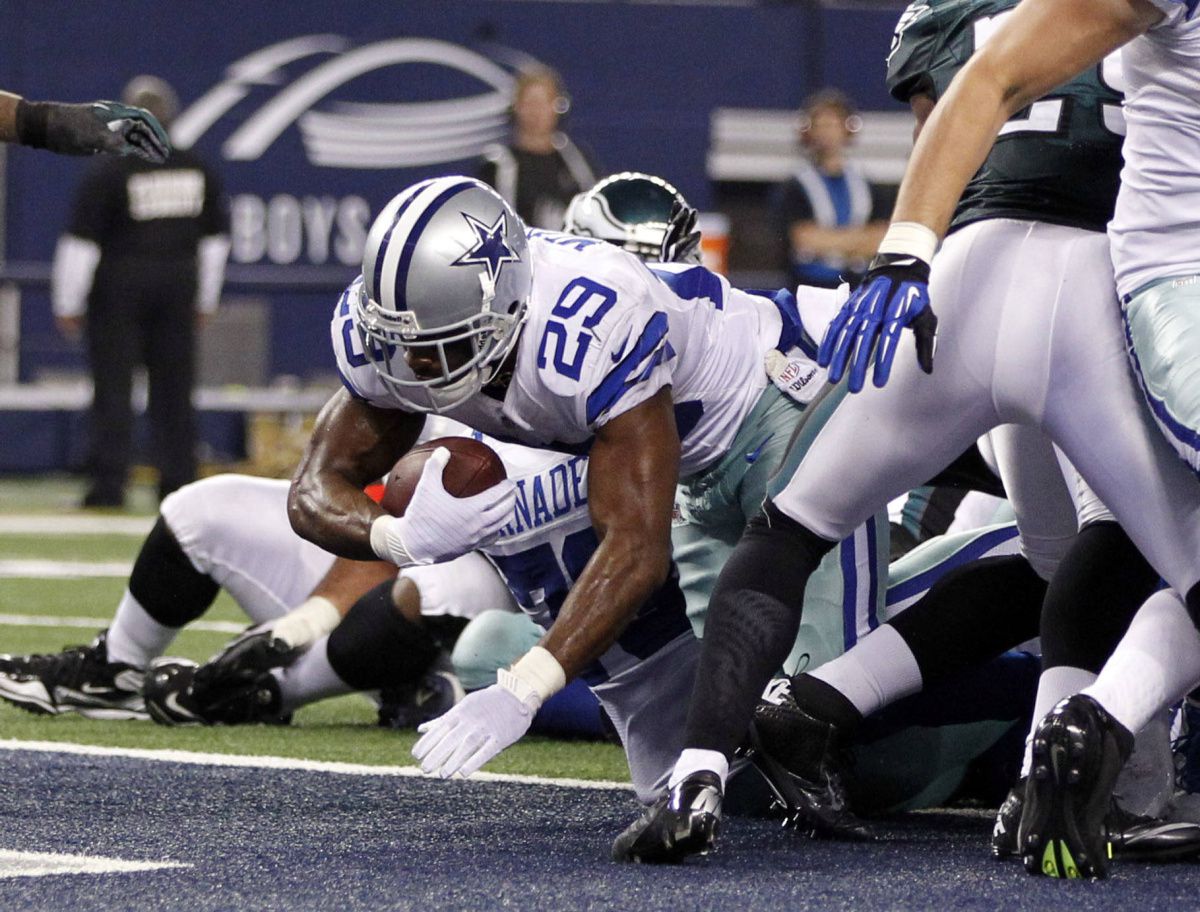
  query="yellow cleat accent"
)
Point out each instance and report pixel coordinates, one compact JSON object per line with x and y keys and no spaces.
{"x":1049,"y":863}
{"x":1069,"y":865}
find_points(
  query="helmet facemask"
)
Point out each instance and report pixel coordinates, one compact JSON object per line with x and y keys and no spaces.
{"x":388,"y":335}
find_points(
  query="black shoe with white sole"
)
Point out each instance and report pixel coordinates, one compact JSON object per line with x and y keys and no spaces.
{"x":80,"y":680}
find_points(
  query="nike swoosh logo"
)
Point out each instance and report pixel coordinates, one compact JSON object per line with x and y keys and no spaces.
{"x":620,"y":352}
{"x":94,"y":690}
{"x":752,"y":456}
{"x":172,"y":701}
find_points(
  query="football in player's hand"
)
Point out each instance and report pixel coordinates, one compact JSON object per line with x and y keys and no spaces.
{"x":473,"y":468}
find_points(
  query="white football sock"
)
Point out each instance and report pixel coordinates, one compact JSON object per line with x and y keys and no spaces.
{"x":1055,"y":684}
{"x":134,"y":637}
{"x":1155,"y":664}
{"x":693,"y":760}
{"x":310,"y":678}
{"x":878,"y":671}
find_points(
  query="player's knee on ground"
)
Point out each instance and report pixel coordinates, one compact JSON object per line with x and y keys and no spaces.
{"x":376,"y":646}
{"x":493,"y":640}
{"x":165,"y":582}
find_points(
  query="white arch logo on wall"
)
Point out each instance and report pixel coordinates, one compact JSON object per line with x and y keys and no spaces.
{"x":354,"y":134}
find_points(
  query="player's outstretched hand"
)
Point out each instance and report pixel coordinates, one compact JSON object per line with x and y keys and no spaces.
{"x":437,"y":526}
{"x":681,"y":243}
{"x":893,"y":294}
{"x":85,"y":129}
{"x":473,"y":732}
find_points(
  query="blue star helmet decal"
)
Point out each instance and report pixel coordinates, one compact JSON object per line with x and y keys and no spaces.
{"x":490,"y":250}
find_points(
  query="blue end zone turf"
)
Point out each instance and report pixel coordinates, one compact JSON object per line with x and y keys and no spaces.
{"x":286,"y":840}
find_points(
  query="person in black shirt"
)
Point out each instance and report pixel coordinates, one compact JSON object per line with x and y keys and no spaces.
{"x":143,"y":258}
{"x":541,"y":169}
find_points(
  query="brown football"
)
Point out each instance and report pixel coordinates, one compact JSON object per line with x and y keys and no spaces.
{"x":473,"y":467}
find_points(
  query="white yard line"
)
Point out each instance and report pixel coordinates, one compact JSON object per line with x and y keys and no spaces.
{"x":42,"y":864}
{"x":286,"y":763}
{"x":49,"y":524}
{"x":32,"y":568}
{"x":49,"y":620}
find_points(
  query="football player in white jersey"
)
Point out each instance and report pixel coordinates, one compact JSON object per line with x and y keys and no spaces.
{"x":557,"y":342}
{"x":1061,"y":368}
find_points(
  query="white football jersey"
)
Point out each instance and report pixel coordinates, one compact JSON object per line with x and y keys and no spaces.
{"x":548,"y":542}
{"x":605,"y":332}
{"x":1154,"y":232}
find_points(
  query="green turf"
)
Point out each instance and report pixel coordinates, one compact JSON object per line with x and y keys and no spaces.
{"x":70,"y":547}
{"x":338,"y":730}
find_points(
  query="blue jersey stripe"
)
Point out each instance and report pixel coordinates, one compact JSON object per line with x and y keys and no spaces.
{"x":972,"y":551}
{"x":696,"y":282}
{"x":873,"y":570}
{"x":846,"y":554}
{"x":618,"y":381}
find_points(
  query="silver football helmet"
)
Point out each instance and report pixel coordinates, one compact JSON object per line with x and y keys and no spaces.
{"x":446,"y":280}
{"x":631,"y":209}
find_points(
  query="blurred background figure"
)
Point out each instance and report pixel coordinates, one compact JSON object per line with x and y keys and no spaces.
{"x":541,"y":169}
{"x":829,"y":215}
{"x":138,"y":270}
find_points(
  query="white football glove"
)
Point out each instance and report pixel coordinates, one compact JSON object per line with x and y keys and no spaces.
{"x":471,"y":733}
{"x":437,"y":526}
{"x":487,"y":721}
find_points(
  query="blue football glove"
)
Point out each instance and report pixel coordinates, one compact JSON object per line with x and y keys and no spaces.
{"x":893,"y":294}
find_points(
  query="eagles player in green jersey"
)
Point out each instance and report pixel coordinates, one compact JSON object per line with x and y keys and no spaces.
{"x":1058,"y":161}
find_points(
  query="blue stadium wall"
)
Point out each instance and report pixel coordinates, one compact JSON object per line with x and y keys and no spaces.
{"x":643,"y":78}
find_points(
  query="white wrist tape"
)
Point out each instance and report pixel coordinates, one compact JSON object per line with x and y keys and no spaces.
{"x":387,"y":543}
{"x":910,"y":239}
{"x":534,"y":678}
{"x":307,"y":622}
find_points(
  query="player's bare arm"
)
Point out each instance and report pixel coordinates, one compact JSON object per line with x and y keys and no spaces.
{"x":1041,"y":45}
{"x":8,"y":116}
{"x":348,"y":579}
{"x":352,"y":445}
{"x":632,"y":471}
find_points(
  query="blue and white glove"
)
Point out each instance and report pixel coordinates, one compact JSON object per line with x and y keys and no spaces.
{"x":437,"y":526}
{"x":893,"y":294}
{"x":487,"y":721}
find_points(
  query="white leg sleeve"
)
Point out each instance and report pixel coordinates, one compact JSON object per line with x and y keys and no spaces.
{"x":235,"y":529}
{"x":1155,"y":664}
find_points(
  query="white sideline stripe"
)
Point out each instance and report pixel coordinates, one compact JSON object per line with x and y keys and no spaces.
{"x":52,"y":569}
{"x":75,"y":525}
{"x":49,"y":620}
{"x":288,"y":763}
{"x":41,"y":864}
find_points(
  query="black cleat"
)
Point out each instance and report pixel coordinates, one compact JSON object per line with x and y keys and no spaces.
{"x":1008,"y":822}
{"x":1078,"y":750}
{"x":1149,"y":839}
{"x":683,"y":822}
{"x":1132,"y":837}
{"x":802,"y":759}
{"x":176,"y":694}
{"x":247,"y":656}
{"x":79,"y":680}
{"x":410,"y":705}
